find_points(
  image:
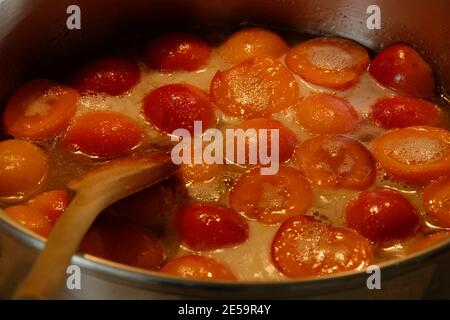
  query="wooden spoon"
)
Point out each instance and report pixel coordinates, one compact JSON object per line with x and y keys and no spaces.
{"x":94,"y":191}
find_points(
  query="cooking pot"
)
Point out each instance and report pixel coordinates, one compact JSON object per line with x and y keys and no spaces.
{"x":34,"y":40}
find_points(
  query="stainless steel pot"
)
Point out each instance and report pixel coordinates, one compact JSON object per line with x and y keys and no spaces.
{"x":33,"y":35}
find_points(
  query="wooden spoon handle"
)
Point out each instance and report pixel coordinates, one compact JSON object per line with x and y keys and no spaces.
{"x":49,"y":269}
{"x":94,"y":192}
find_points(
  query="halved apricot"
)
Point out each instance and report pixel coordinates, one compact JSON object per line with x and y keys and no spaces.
{"x":414,"y":154}
{"x":325,"y":113}
{"x":285,"y":144}
{"x":436,"y":199}
{"x":382,"y":215}
{"x":305,"y":247}
{"x":209,"y":227}
{"x":328,"y":61}
{"x":31,"y":219}
{"x":271,"y":199}
{"x":191,"y":172}
{"x":111,"y":76}
{"x":195,"y":173}
{"x":336,"y":162}
{"x":48,"y":205}
{"x":257,"y":87}
{"x":40,"y":109}
{"x":198,"y":267}
{"x":251,"y":42}
{"x":402,"y":112}
{"x":103,"y":134}
{"x":51,"y":203}
{"x":401,"y":68}
{"x":177,"y":106}
{"x":177,"y":51}
{"x":23,"y":167}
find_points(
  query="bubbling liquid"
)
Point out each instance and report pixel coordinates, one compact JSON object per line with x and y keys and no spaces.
{"x":251,"y":260}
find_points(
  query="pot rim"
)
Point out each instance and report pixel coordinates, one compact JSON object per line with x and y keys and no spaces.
{"x":153,"y":280}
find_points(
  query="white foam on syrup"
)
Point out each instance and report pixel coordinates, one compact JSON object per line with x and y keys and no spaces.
{"x":251,"y":260}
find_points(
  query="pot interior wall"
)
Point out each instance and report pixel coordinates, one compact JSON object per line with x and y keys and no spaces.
{"x":34,"y":37}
